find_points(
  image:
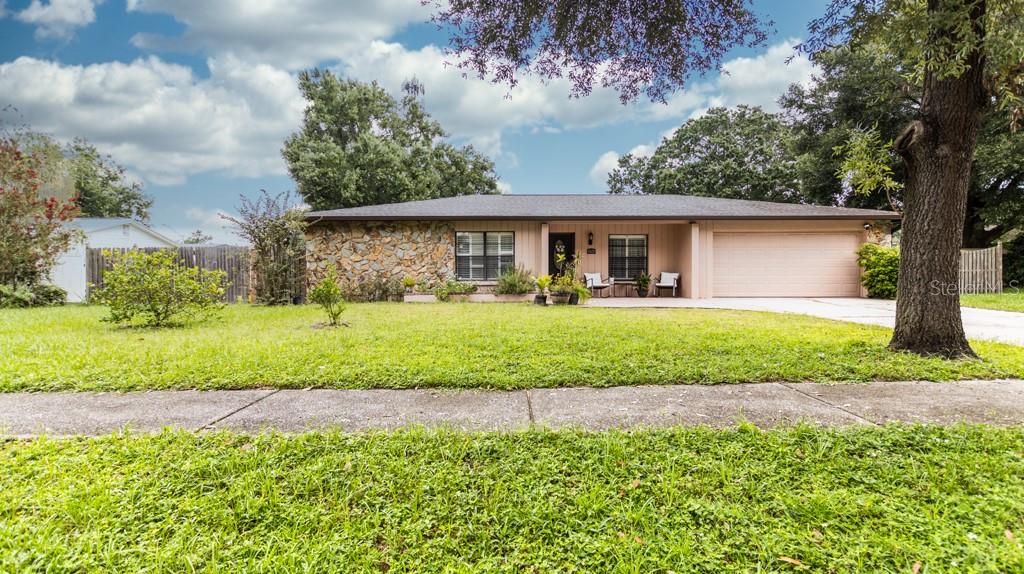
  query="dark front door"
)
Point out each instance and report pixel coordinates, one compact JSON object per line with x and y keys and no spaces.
{"x":560,"y":243}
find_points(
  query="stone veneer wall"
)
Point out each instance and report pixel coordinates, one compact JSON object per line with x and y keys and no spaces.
{"x":880,"y":233}
{"x":363,"y":251}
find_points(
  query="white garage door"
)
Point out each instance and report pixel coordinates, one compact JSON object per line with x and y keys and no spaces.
{"x":786,"y":265}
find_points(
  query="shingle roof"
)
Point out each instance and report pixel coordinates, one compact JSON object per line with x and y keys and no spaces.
{"x":560,"y":207}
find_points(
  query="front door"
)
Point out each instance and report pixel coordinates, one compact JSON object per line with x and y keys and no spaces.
{"x":560,"y":243}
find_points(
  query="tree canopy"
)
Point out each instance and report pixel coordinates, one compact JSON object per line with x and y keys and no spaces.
{"x":359,"y":146}
{"x":102,"y":186}
{"x":738,"y":153}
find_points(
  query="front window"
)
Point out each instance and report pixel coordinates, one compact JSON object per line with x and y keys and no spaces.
{"x":483,"y":255}
{"x":627,"y":256}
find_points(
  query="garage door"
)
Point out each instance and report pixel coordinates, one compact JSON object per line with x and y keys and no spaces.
{"x":786,"y":265}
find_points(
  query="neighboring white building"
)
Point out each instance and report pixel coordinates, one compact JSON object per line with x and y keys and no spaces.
{"x":101,"y":233}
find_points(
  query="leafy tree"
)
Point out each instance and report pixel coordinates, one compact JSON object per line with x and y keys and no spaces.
{"x":739,"y":153}
{"x":275,"y":229}
{"x":101,"y":184}
{"x":358,"y":146}
{"x":32,"y":224}
{"x":966,"y":53}
{"x":197,"y":237}
{"x":860,"y":96}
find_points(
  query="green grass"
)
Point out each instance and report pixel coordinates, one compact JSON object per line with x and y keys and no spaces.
{"x":686,"y":500}
{"x":1007,"y":301}
{"x":460,"y":346}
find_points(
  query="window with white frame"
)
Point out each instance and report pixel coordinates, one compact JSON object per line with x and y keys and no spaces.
{"x":627,"y":256}
{"x":483,"y":255}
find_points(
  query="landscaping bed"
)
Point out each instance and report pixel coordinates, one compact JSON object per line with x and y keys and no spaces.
{"x":460,"y":345}
{"x":683,"y":500}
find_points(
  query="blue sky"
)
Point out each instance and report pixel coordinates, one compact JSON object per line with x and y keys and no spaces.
{"x":195,"y":97}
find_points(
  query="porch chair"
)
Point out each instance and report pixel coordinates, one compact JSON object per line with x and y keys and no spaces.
{"x":667,"y":281}
{"x":595,"y":284}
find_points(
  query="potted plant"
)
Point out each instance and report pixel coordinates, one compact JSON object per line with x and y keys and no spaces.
{"x":643,"y":283}
{"x":543,"y":282}
{"x":562,"y":289}
{"x":408,"y":282}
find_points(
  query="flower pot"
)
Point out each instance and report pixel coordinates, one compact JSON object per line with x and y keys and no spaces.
{"x":560,"y":298}
{"x":574,"y":299}
{"x":540,"y":299}
{"x":641,"y":292}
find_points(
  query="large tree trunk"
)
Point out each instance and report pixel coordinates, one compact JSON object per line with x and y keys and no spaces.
{"x":937,"y":148}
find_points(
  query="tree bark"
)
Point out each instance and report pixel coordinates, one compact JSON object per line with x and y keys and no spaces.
{"x":937,"y":150}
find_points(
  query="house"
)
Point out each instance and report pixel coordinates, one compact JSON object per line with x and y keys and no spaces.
{"x":104,"y":233}
{"x":721,"y":247}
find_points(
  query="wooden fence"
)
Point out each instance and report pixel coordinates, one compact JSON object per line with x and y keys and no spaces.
{"x":981,"y":270}
{"x":233,"y":260}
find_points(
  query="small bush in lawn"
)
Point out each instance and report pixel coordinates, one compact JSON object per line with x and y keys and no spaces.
{"x":514,"y":281}
{"x":444,"y":291}
{"x":327,"y":294}
{"x":156,"y":290}
{"x":881,"y":270}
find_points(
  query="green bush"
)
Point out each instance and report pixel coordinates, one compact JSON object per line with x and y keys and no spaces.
{"x":1013,"y":263}
{"x":373,"y":290}
{"x":514,"y":281}
{"x":15,"y":296}
{"x":156,"y":290}
{"x":444,"y":291}
{"x":20,"y":296}
{"x":881,"y":270}
{"x":327,"y":294}
{"x":49,"y":295}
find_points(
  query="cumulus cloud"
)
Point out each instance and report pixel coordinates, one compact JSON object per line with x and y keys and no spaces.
{"x":609,"y":160}
{"x":158,"y":118}
{"x":57,"y":18}
{"x":290,"y":34}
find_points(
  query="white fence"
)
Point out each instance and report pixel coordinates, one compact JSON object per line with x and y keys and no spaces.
{"x":981,"y":270}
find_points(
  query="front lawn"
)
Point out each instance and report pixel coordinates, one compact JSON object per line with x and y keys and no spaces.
{"x":1007,"y":301}
{"x":460,"y":346}
{"x":683,"y":500}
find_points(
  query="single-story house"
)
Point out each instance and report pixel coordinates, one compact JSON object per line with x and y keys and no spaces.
{"x":720,"y":247}
{"x":104,"y":233}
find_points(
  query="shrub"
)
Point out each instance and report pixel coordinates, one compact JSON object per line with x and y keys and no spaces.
{"x":44,"y":294}
{"x":275,"y":228}
{"x":444,"y":291}
{"x":373,"y":290}
{"x":881,"y":270}
{"x":327,"y":294}
{"x":15,"y":296}
{"x":155,"y":289}
{"x":1013,"y":263}
{"x":514,"y":281}
{"x":543,"y":282}
{"x":19,"y":296}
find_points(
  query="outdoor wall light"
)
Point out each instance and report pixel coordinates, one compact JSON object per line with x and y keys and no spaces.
{"x":590,"y":238}
{"x":867,"y":226}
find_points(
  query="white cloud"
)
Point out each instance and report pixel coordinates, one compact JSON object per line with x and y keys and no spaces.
{"x":504,"y":187}
{"x":290,"y":34}
{"x":57,"y":18}
{"x":604,"y":165}
{"x":158,"y":118}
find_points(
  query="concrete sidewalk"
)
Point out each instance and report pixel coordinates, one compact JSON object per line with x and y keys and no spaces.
{"x":765,"y":404}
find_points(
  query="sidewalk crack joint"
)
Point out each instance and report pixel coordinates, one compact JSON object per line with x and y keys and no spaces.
{"x":835,"y":406}
{"x":210,"y":425}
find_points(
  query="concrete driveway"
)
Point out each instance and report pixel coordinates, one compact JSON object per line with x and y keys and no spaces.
{"x":978,"y":323}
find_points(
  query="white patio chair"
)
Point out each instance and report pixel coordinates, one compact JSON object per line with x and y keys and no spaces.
{"x":595,"y":284}
{"x":667,"y":281}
